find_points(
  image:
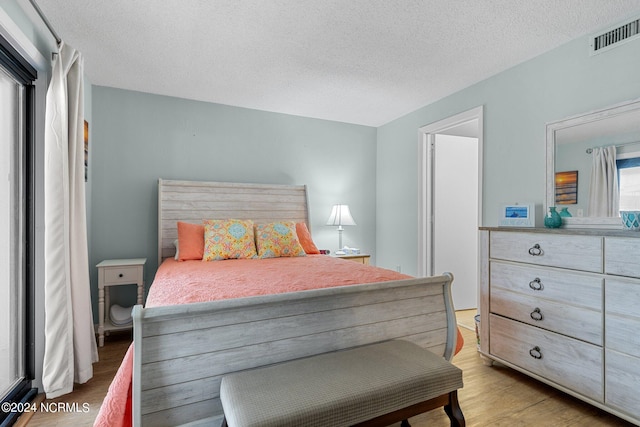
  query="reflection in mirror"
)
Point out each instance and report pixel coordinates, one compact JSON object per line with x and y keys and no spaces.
{"x":571,"y":146}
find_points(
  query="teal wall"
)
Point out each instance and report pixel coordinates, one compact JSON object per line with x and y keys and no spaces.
{"x":518,"y":104}
{"x":138,"y":138}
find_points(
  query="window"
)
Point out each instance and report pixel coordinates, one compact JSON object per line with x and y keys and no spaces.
{"x":629,"y":182}
{"x":16,"y":228}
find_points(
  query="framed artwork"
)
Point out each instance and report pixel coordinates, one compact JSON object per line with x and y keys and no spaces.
{"x":86,"y":151}
{"x":567,"y":188}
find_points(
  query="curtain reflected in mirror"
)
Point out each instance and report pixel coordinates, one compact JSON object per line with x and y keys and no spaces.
{"x":602,"y":148}
{"x":603,"y":186}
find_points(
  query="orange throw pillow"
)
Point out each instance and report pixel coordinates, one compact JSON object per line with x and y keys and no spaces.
{"x":304,"y":236}
{"x":190,"y":241}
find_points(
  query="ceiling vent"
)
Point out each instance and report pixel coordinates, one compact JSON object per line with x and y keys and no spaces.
{"x":614,"y":37}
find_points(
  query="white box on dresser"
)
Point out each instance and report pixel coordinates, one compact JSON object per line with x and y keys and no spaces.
{"x":563,"y":306}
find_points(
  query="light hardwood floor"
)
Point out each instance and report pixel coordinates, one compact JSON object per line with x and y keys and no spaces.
{"x":499,"y":396}
{"x":492,"y":396}
{"x":92,"y":392}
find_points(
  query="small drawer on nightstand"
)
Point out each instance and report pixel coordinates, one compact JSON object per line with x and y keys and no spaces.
{"x":359,"y":258}
{"x":120,"y":275}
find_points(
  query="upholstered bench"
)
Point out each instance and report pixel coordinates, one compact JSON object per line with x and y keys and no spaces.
{"x":373,"y":385}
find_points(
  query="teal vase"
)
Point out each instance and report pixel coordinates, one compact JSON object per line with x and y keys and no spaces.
{"x":553,"y":218}
{"x":564,"y":213}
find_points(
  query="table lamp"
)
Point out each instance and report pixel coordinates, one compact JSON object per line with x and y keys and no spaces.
{"x":340,"y":215}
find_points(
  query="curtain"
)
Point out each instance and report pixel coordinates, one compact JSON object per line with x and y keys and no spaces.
{"x":603,"y":189}
{"x":70,"y":346}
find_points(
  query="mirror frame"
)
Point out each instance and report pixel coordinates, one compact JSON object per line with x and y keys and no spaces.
{"x":552,"y":128}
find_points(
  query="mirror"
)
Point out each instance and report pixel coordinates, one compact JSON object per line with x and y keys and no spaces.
{"x":568,"y":143}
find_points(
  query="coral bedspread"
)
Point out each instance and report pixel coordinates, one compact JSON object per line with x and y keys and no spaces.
{"x":197,"y":281}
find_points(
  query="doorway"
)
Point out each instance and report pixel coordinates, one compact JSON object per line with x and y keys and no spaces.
{"x":450,"y":205}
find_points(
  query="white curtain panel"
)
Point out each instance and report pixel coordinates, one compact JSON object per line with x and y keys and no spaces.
{"x":603,"y":189}
{"x":70,"y":346}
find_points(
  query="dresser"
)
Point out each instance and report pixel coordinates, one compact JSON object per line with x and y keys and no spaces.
{"x":563,"y":306}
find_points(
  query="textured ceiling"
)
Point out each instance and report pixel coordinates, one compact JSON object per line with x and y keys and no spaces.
{"x":355,"y":61}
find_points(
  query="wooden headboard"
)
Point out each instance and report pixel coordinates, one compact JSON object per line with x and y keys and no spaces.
{"x":194,"y":201}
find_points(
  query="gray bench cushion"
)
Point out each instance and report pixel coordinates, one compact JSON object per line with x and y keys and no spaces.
{"x":337,"y":389}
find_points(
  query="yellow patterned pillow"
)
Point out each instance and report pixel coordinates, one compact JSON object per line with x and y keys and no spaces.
{"x":278,"y":239}
{"x":228,"y":239}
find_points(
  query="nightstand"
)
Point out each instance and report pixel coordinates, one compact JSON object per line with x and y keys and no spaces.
{"x":359,"y":258}
{"x":116,"y":272}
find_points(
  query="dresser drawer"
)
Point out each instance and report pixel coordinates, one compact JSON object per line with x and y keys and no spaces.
{"x":571,"y":363}
{"x":584,"y":290}
{"x":622,"y":375}
{"x":578,"y":322}
{"x":622,"y":256}
{"x":556,"y":250}
{"x":118,"y":275}
{"x":622,"y":315}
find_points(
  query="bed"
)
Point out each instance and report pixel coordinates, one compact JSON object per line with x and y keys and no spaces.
{"x":205,"y":319}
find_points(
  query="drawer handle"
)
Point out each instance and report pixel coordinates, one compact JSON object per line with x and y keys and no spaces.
{"x":536,"y":284}
{"x":536,"y":315}
{"x":536,"y":250}
{"x":535,"y":352}
{"x":121,"y":275}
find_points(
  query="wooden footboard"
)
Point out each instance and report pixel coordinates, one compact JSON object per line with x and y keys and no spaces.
{"x":181,"y":352}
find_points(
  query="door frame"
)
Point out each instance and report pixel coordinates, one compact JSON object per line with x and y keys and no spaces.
{"x":25,"y":47}
{"x":426,"y":181}
{"x":20,"y":72}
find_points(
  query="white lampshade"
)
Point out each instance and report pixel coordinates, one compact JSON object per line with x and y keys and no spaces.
{"x":340,"y":215}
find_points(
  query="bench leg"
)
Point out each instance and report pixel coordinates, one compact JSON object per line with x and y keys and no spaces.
{"x":405,"y":423}
{"x":454,"y":411}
